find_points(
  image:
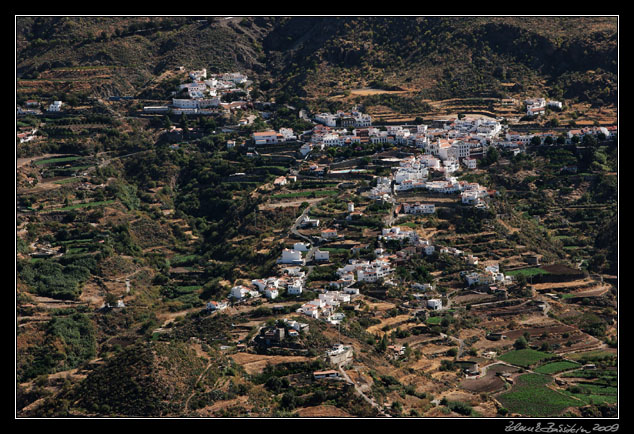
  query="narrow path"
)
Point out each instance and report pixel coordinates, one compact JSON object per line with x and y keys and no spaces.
{"x":196,"y":384}
{"x":363,"y":395}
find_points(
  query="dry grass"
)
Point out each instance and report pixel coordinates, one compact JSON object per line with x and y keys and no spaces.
{"x":255,"y":363}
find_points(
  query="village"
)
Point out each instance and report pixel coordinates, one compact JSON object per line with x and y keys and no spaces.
{"x":375,"y":258}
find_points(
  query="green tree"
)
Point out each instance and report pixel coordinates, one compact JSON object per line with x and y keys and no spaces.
{"x":521,"y":343}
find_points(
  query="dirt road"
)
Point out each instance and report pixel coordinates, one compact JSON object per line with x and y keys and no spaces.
{"x":363,"y":395}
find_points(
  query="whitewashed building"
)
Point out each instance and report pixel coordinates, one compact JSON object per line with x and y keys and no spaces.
{"x":290,"y":256}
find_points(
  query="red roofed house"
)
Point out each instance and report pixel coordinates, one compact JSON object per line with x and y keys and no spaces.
{"x":265,"y":138}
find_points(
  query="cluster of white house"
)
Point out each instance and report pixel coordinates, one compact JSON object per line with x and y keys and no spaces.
{"x":32,"y":107}
{"x":271,"y":137}
{"x":454,"y":140}
{"x":537,"y":106}
{"x":325,"y":305}
{"x":412,"y":177}
{"x":366,"y":271}
{"x":514,"y":139}
{"x":344,"y":119}
{"x":204,"y":93}
{"x":383,"y":189}
{"x":490,"y":275}
{"x":292,"y":280}
{"x":294,"y":255}
{"x":27,"y":135}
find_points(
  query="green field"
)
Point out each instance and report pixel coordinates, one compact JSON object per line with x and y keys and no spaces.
{"x":528,"y":272}
{"x":334,"y":250}
{"x":530,"y":396}
{"x":67,"y":181}
{"x":591,"y":355}
{"x":56,"y":160}
{"x":434,"y":320}
{"x":554,"y":367}
{"x":82,"y":205}
{"x":594,"y":393}
{"x":525,"y":358}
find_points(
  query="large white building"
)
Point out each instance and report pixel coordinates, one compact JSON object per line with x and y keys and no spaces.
{"x":291,"y":256}
{"x":240,"y":292}
{"x":419,"y":208}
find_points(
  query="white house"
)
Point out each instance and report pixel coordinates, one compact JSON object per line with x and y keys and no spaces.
{"x":460,"y":149}
{"x":329,"y":234}
{"x":556,"y":104}
{"x":287,"y":133}
{"x":322,"y":255}
{"x":295,"y":287}
{"x":301,"y":247}
{"x":472,"y":260}
{"x":470,"y":163}
{"x":280,"y":180}
{"x":55,"y":106}
{"x":240,"y":292}
{"x":308,"y":222}
{"x":419,"y":208}
{"x":310,"y":309}
{"x":373,"y":273}
{"x":184,"y":103}
{"x":472,"y":278}
{"x":216,"y":305}
{"x":197,"y":75}
{"x":429,"y":250}
{"x":290,"y":256}
{"x":305,"y":149}
{"x":265,"y":137}
{"x":271,"y":293}
{"x":434,"y":304}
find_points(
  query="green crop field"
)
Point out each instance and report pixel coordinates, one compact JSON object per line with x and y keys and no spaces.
{"x":554,"y":367}
{"x":594,"y":393}
{"x":434,"y":320}
{"x":590,"y":355}
{"x":528,"y":272}
{"x":67,"y":181}
{"x":530,"y":396}
{"x":56,"y":160}
{"x":525,"y":358}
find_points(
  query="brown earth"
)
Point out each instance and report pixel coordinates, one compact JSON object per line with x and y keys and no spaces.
{"x":322,"y":411}
{"x":255,"y":363}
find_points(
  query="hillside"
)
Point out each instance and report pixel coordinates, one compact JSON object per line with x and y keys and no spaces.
{"x":450,"y":257}
{"x":314,"y":57}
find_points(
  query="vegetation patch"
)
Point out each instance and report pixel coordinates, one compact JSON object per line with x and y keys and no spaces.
{"x":531,"y":396}
{"x":525,"y":357}
{"x":527,"y":272}
{"x":555,"y":367}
